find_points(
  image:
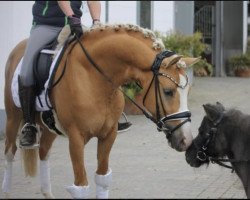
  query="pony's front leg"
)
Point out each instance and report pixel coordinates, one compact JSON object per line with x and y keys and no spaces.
{"x":103,"y":176}
{"x":80,"y":188}
{"x":10,"y":150}
{"x":47,"y":139}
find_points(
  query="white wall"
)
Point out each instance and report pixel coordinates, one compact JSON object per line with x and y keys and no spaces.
{"x":163,"y":16}
{"x":16,"y":21}
{"x":122,"y":12}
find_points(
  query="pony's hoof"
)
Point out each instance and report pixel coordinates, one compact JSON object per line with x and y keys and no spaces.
{"x":48,"y":195}
{"x":78,"y":192}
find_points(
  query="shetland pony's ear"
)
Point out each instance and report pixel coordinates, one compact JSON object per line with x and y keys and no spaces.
{"x":212,"y":112}
{"x":219,"y":105}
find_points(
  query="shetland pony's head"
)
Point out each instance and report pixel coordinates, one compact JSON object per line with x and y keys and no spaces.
{"x":210,"y":141}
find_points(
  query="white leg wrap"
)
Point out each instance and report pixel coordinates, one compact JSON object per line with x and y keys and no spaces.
{"x":6,"y":186}
{"x":45,"y":179}
{"x":78,"y":192}
{"x":102,"y":185}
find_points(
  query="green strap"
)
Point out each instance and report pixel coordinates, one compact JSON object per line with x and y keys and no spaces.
{"x":46,"y":8}
{"x":66,"y":20}
{"x":33,"y":24}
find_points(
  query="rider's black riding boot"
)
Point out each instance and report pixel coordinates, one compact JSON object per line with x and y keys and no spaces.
{"x":28,"y":137}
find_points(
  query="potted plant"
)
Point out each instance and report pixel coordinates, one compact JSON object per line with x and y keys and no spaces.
{"x":239,"y":65}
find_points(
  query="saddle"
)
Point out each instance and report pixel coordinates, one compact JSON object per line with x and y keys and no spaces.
{"x":41,"y":69}
{"x":42,"y":64}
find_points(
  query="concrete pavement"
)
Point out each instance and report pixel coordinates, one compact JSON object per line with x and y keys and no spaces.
{"x":143,"y":164}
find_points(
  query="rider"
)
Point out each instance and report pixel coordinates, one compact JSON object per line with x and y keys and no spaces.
{"x":49,"y":17}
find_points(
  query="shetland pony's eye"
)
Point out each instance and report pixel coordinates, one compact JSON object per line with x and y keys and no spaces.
{"x":168,"y":92}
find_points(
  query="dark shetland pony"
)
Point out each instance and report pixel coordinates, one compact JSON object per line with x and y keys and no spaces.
{"x":223,"y":133}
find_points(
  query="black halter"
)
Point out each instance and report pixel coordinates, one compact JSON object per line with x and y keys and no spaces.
{"x":160,"y":122}
{"x":202,"y":154}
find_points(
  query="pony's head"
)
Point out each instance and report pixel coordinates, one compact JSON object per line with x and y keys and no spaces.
{"x":166,"y":99}
{"x":210,"y":141}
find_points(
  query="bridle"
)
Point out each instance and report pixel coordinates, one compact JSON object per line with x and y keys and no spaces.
{"x":160,"y":122}
{"x":203,"y":153}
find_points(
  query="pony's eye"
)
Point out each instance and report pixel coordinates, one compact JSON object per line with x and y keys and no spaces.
{"x":168,"y":92}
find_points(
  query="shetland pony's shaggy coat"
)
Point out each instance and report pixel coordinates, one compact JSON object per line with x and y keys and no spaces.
{"x":230,"y":137}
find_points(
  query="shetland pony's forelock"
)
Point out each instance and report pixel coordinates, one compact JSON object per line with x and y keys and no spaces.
{"x":157,"y":42}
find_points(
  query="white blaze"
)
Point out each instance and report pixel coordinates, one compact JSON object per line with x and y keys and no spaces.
{"x":186,"y":128}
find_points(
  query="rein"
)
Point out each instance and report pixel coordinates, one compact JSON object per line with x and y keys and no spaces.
{"x":202,"y":154}
{"x":160,"y":123}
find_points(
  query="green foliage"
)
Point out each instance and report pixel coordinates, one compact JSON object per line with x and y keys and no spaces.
{"x":202,"y":68}
{"x":241,"y":61}
{"x":186,"y":45}
{"x":132,"y":89}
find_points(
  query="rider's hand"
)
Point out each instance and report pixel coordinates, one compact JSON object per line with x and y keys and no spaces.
{"x":75,"y":25}
{"x":96,"y":22}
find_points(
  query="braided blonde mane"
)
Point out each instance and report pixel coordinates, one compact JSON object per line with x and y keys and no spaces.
{"x":147,"y":33}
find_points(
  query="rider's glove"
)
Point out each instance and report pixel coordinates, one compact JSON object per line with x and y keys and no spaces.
{"x":96,"y":22}
{"x":75,"y":25}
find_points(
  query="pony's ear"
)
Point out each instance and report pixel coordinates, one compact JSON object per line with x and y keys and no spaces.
{"x":219,"y":105}
{"x":172,"y":60}
{"x":190,"y":61}
{"x":212,"y":112}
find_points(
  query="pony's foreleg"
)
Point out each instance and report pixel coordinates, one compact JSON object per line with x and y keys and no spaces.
{"x":10,"y":150}
{"x":102,"y":184}
{"x":103,"y":175}
{"x":46,"y":143}
{"x":80,"y":188}
{"x":6,"y":185}
{"x":45,"y":179}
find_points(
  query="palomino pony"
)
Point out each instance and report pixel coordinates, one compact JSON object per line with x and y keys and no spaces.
{"x":88,"y":101}
{"x":223,"y":133}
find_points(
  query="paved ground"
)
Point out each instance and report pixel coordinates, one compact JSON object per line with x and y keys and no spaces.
{"x":143,"y":164}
